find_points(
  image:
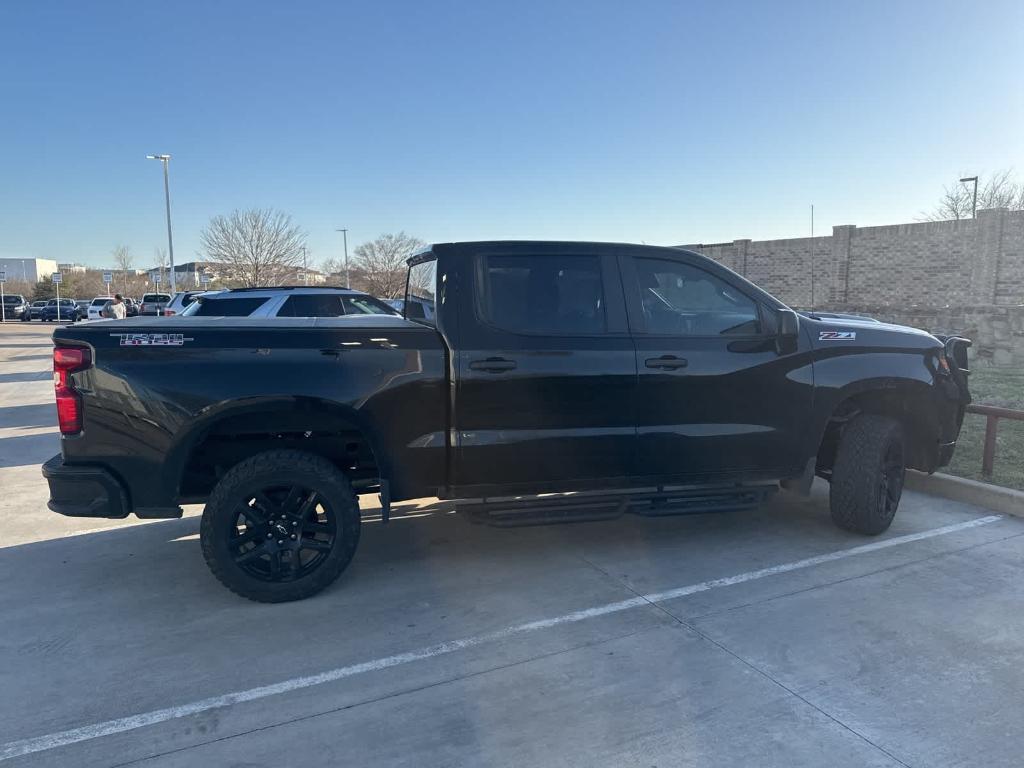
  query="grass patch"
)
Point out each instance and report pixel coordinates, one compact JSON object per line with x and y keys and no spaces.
{"x":993,"y":386}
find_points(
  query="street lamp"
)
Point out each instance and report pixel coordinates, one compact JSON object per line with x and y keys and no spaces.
{"x":344,"y":235}
{"x":974,"y":203}
{"x":167,"y":198}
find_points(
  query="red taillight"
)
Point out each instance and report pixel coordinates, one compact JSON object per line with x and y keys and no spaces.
{"x":68,"y":360}
{"x":168,"y":312}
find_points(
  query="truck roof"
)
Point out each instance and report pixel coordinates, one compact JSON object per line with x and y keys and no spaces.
{"x":178,"y":323}
{"x":573,"y":247}
{"x":551,"y":247}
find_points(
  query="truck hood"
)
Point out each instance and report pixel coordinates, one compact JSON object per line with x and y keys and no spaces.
{"x":867,"y":331}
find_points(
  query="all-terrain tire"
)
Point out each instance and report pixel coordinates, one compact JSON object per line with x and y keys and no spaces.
{"x":867,"y":477}
{"x":281,"y":468}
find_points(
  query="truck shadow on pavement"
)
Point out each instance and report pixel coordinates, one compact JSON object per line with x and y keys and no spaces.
{"x":154,"y":572}
{"x":23,"y":450}
{"x":28,"y":416}
{"x":13,"y":378}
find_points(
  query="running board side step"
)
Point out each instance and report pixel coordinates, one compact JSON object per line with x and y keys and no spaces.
{"x":552,"y":508}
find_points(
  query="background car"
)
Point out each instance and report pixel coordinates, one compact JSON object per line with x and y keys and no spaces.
{"x":154,"y":303}
{"x":70,"y":311}
{"x":14,"y":306}
{"x":418,"y":307}
{"x":33,"y":310}
{"x":288,"y":302}
{"x":180,"y":301}
{"x":95,"y":310}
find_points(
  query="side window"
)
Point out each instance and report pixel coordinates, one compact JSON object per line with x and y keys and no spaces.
{"x":684,"y":300}
{"x":543,"y":294}
{"x":312,"y":305}
{"x":226,"y":307}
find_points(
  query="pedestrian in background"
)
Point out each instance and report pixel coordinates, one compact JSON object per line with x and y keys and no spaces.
{"x":115,"y":309}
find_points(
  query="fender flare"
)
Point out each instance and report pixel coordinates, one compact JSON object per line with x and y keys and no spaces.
{"x":207,"y":418}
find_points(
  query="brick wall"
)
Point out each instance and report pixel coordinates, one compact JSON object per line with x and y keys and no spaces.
{"x":930,"y":264}
{"x":964,"y":277}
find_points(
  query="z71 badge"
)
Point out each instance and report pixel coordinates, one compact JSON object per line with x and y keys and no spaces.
{"x":151,"y":339}
{"x":837,"y":335}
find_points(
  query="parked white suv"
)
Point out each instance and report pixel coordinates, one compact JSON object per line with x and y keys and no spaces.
{"x":95,"y":311}
{"x":181,"y":301}
{"x":288,"y":302}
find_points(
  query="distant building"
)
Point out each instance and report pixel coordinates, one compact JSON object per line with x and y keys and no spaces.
{"x":68,"y":268}
{"x":28,"y":270}
{"x":308,"y":277}
{"x":186,"y":275}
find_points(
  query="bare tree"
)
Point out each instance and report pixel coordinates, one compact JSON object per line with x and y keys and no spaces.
{"x":379,"y":265}
{"x":256,"y":247}
{"x":125,"y":262}
{"x":334,"y":271}
{"x":1001,"y":190}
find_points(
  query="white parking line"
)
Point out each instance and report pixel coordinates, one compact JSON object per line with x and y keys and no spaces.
{"x":132,"y":722}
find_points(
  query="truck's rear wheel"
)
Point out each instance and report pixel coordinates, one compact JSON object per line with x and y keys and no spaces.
{"x":867,"y":478}
{"x":280,"y":526}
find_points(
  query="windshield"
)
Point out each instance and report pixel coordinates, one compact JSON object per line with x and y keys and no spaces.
{"x":366,"y":305}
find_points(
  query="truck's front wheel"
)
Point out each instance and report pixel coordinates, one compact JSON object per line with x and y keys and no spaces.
{"x":280,"y":526}
{"x":867,"y":478}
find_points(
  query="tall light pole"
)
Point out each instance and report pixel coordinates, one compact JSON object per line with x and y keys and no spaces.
{"x":344,"y":235}
{"x":974,"y":202}
{"x":167,"y":199}
{"x":812,"y":257}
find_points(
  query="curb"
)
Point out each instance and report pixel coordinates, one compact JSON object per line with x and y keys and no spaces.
{"x":994,"y":497}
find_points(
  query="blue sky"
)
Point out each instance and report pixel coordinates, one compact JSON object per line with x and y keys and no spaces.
{"x":663,"y":122}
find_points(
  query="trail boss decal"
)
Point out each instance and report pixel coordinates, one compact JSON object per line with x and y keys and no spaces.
{"x":837,"y":335}
{"x":151,"y":339}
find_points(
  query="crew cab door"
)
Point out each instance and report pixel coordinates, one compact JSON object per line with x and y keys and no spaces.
{"x":546,"y":370}
{"x":716,"y":399}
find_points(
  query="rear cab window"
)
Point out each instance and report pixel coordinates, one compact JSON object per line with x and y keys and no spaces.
{"x":420,"y":281}
{"x":556,"y":294}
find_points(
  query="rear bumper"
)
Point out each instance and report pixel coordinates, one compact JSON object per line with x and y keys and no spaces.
{"x":84,"y":491}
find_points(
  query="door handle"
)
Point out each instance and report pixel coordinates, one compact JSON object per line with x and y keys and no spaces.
{"x":666,"y":362}
{"x":492,"y":365}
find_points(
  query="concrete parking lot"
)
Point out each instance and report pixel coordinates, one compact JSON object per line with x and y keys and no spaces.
{"x":766,"y":638}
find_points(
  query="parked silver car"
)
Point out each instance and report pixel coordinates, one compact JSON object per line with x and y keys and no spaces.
{"x":317,"y":301}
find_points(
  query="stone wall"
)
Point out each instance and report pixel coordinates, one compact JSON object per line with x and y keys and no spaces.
{"x":964,"y":277}
{"x":997,"y":331}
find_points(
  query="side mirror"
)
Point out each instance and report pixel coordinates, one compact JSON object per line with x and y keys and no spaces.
{"x":788,"y":324}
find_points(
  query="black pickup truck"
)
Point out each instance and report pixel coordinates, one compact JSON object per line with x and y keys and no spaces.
{"x":653,"y":379}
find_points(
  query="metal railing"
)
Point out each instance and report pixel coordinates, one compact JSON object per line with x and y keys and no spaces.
{"x":992,"y":416}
